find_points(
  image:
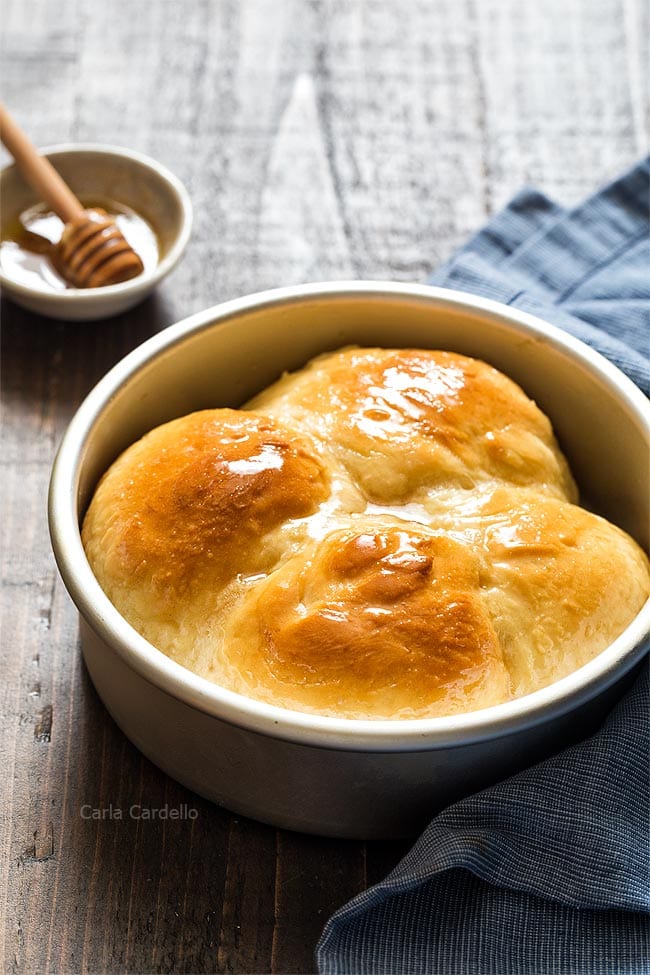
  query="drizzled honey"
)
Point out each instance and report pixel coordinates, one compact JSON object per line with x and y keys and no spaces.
{"x":27,"y":247}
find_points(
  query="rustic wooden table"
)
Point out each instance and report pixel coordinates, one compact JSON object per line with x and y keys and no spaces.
{"x":318,"y":140}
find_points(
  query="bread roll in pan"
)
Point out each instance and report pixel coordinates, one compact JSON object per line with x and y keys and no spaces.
{"x":335,"y":776}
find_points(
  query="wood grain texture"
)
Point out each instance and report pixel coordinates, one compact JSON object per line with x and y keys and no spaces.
{"x":322,"y":139}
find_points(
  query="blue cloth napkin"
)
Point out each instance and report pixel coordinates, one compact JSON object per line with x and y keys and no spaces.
{"x":547,"y":873}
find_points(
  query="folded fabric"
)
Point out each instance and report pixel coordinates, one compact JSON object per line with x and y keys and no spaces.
{"x":548,"y":872}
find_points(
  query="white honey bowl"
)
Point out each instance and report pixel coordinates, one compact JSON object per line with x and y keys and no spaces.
{"x":103,"y":172}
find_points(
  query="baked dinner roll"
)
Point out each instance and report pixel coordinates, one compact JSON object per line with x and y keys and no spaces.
{"x":187,"y":508}
{"x":381,"y":621}
{"x":401,"y":420}
{"x":384,"y":534}
{"x":561,"y":583}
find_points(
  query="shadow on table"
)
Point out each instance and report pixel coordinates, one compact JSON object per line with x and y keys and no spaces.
{"x":205,"y":891}
{"x":55,"y":363}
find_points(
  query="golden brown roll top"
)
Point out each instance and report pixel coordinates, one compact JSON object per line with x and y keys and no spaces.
{"x":387,"y":534}
{"x":401,"y":420}
{"x":379,"y":622}
{"x":389,"y":619}
{"x":560,"y":583}
{"x":189,"y":506}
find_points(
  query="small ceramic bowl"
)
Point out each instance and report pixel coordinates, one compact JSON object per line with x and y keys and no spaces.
{"x":318,"y":774}
{"x":103,"y":172}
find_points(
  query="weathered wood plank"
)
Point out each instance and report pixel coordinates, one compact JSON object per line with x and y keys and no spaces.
{"x":318,"y":139}
{"x":560,"y":109}
{"x":314,"y":877}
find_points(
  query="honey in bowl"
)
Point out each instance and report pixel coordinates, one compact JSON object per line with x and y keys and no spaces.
{"x":26,"y":244}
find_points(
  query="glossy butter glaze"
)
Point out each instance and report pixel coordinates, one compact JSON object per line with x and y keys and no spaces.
{"x":360,"y":543}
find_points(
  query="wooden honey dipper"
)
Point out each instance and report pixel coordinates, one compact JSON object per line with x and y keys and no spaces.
{"x":92,"y":251}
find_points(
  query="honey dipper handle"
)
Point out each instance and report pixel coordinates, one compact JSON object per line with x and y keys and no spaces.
{"x":37,"y":170}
